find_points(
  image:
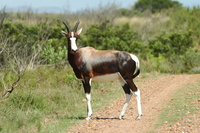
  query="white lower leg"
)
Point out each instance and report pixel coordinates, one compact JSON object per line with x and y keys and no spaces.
{"x":128,"y":98}
{"x":138,"y":99}
{"x":89,"y":106}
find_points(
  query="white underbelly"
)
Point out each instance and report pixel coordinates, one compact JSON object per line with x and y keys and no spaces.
{"x":107,"y":77}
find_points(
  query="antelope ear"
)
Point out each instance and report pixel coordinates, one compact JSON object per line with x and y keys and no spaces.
{"x":79,"y":31}
{"x":64,"y":33}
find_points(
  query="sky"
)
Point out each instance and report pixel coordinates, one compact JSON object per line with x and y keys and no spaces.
{"x":74,"y":5}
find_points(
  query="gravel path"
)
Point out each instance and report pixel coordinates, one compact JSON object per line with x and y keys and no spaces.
{"x":154,"y":93}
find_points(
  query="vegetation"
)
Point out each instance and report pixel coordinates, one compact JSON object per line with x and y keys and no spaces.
{"x":183,"y":103}
{"x":33,"y":50}
{"x":45,"y":104}
{"x":156,"y":5}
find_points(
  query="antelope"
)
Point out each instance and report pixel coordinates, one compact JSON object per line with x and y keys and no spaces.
{"x":103,"y":65}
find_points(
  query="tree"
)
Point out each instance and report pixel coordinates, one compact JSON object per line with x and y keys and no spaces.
{"x":155,"y":5}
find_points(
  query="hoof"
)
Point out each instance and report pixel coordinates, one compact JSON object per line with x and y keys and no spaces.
{"x":87,"y":118}
{"x":138,"y":117}
{"x":120,"y":117}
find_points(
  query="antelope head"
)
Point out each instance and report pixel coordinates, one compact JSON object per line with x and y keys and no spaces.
{"x":72,"y":36}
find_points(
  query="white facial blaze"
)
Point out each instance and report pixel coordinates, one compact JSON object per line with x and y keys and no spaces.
{"x":73,"y":42}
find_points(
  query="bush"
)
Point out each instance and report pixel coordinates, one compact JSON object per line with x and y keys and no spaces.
{"x":172,"y":53}
{"x":186,"y":19}
{"x":30,"y":39}
{"x":155,"y":5}
{"x":53,"y":54}
{"x":108,"y":37}
{"x":175,"y":43}
{"x":191,"y":61}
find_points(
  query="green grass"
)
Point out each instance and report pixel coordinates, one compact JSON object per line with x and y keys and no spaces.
{"x":183,"y":103}
{"x":51,"y":100}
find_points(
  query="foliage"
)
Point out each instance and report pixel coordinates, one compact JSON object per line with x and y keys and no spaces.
{"x":172,"y":52}
{"x":167,"y":52}
{"x":47,"y":37}
{"x":128,"y":12}
{"x":125,"y":12}
{"x":163,"y":37}
{"x":50,"y":99}
{"x":171,"y":44}
{"x":155,"y":5}
{"x":106,"y":36}
{"x":186,"y":19}
{"x":53,"y":54}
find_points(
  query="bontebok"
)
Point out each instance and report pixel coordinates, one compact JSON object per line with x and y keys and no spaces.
{"x":103,"y":65}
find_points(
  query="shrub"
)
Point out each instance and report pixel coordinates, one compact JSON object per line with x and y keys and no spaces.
{"x":191,"y":61}
{"x":175,"y":43}
{"x":107,"y":37}
{"x":155,"y":5}
{"x":53,"y":54}
{"x":186,"y":19}
{"x":172,"y":52}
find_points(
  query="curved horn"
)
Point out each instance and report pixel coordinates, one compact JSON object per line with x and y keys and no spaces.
{"x":76,"y":26}
{"x":67,"y":27}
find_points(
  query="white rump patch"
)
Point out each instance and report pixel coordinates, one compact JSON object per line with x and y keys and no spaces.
{"x":135,"y":58}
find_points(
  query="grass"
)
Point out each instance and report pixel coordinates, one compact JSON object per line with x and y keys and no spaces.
{"x":51,"y":100}
{"x":184,"y":102}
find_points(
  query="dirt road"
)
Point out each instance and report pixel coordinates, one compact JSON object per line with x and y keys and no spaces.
{"x":154,"y":93}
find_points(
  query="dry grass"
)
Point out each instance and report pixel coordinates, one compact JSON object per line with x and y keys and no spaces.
{"x":147,"y":26}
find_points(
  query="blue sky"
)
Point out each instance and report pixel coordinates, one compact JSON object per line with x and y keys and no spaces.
{"x":76,"y":5}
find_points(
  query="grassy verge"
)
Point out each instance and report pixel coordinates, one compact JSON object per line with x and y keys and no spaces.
{"x":50,"y":100}
{"x":184,"y":102}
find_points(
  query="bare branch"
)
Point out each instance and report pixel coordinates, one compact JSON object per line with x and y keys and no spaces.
{"x":14,"y":84}
{"x":8,"y":91}
{"x":17,"y":66}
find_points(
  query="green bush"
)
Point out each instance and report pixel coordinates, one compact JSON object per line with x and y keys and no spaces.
{"x":171,"y":44}
{"x":186,"y":19}
{"x":46,"y":36}
{"x":51,"y":54}
{"x":172,"y":52}
{"x":155,"y":5}
{"x":108,"y":37}
{"x":191,"y":61}
{"x":176,"y":64}
{"x":42,"y":34}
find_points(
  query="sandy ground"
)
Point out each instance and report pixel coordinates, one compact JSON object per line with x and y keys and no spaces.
{"x":154,"y":93}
